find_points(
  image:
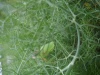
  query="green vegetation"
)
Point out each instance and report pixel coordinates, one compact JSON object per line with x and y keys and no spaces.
{"x":73,"y":26}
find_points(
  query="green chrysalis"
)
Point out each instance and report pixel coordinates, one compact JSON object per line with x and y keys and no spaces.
{"x":46,"y":49}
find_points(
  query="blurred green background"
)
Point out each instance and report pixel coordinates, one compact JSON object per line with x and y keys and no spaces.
{"x":26,"y":25}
